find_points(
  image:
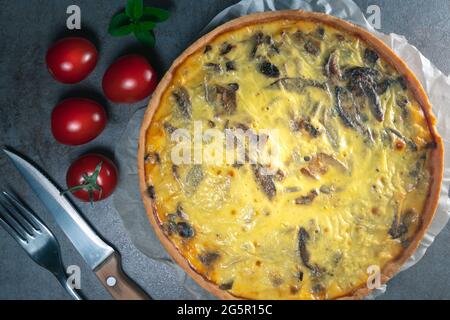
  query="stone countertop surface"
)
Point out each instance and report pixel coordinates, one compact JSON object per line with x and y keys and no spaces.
{"x":28,"y":94}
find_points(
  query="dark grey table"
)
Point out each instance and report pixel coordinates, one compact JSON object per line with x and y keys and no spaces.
{"x":28,"y":94}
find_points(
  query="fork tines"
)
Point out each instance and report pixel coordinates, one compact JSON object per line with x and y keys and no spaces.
{"x":17,"y":219}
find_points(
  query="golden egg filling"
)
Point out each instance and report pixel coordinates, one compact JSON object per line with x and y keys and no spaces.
{"x":346,"y":179}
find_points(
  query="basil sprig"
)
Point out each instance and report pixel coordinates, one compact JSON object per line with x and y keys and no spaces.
{"x":139,"y":20}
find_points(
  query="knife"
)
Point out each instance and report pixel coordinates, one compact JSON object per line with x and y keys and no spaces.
{"x":99,"y":256}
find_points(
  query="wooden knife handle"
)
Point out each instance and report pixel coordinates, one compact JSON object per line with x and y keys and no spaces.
{"x":117,"y":282}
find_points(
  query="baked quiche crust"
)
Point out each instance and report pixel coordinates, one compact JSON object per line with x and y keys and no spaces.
{"x":433,"y":168}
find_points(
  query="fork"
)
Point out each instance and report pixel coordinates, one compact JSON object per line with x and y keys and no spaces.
{"x":34,"y":237}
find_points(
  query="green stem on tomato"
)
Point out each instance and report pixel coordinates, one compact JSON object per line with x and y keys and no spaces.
{"x":89,"y":184}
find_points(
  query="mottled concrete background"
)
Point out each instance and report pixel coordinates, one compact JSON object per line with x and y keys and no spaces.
{"x":28,"y":94}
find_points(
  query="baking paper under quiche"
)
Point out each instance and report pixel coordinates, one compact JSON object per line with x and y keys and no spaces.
{"x":355,"y":179}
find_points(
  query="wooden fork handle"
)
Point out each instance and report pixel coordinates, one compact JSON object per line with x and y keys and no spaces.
{"x":117,"y":282}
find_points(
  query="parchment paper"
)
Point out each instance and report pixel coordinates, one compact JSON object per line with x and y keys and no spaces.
{"x":127,"y":199}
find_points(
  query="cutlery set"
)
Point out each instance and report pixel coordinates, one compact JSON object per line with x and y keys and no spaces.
{"x":41,"y":245}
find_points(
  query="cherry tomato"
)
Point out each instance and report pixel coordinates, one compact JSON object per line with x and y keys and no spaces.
{"x":129,"y":79}
{"x":71,"y":60}
{"x":77,"y":121}
{"x":92,"y":177}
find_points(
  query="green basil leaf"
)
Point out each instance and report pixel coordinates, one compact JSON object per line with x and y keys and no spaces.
{"x":120,"y":25}
{"x":134,"y":9}
{"x":146,"y":25}
{"x":155,"y":14}
{"x":145,"y":37}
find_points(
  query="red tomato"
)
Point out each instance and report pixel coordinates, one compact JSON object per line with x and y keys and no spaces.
{"x":129,"y":79}
{"x":92,"y":177}
{"x":77,"y":121}
{"x":71,"y":60}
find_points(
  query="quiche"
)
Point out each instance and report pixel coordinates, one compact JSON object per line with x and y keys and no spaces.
{"x":352,"y":168}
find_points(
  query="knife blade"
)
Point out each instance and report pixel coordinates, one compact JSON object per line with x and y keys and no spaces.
{"x":99,"y":256}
